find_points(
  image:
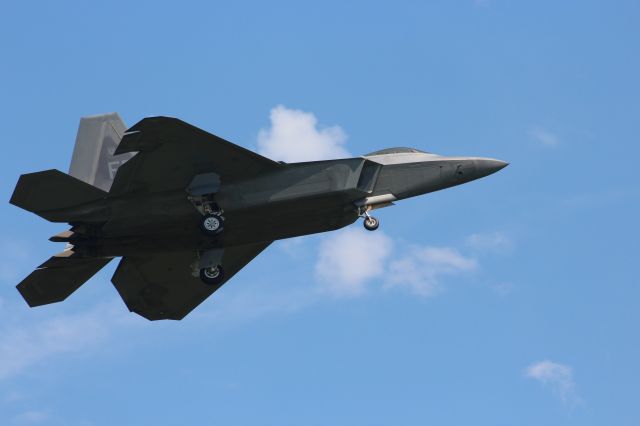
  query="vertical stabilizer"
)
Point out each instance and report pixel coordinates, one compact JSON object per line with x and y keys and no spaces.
{"x":93,"y":161}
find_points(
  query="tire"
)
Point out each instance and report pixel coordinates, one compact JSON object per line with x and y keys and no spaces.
{"x":211,"y":224}
{"x":212,"y":276}
{"x":371,"y":223}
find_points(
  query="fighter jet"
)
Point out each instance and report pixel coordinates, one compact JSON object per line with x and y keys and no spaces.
{"x":185,"y":210}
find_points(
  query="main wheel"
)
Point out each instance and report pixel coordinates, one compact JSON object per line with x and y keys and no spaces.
{"x":212,"y":276}
{"x":211,"y":224}
{"x":371,"y":223}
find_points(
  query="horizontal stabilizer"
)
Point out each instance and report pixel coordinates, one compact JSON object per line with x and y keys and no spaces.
{"x":51,"y":190}
{"x":58,"y":277}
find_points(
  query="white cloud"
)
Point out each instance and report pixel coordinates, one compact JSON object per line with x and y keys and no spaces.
{"x":349,"y":258}
{"x":421,"y":270}
{"x":544,"y":137}
{"x":294,"y":247}
{"x":557,"y":376}
{"x":493,"y":241}
{"x":294,"y":136}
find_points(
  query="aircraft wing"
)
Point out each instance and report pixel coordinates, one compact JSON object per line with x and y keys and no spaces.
{"x":171,"y":152}
{"x":162,"y":286}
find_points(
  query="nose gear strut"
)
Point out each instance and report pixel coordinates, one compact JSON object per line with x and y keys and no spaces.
{"x":370,"y":223}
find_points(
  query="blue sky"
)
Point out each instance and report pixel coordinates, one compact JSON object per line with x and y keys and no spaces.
{"x":509,"y":300}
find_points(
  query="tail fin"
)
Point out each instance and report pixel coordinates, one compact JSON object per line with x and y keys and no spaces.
{"x":93,"y":161}
{"x":58,"y":277}
{"x":48,"y":192}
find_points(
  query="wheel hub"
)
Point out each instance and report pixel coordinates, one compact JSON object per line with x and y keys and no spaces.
{"x":212,"y":272}
{"x":211,"y":224}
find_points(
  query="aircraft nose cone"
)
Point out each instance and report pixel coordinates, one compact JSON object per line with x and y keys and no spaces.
{"x":487,"y":166}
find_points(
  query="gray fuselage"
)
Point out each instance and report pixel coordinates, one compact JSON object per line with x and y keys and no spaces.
{"x":298,"y":199}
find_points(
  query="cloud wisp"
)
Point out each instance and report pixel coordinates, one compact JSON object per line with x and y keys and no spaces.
{"x":423,"y":269}
{"x":544,"y":137}
{"x":350,"y":260}
{"x":32,"y":417}
{"x":558,"y":377}
{"x":490,"y":241}
{"x":25,"y":345}
{"x":294,"y":136}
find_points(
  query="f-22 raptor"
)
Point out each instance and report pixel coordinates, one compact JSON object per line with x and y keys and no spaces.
{"x":186,"y":210}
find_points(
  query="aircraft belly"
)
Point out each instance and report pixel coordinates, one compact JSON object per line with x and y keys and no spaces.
{"x":298,"y":201}
{"x":293,"y":218}
{"x":178,"y":229}
{"x":166,"y":213}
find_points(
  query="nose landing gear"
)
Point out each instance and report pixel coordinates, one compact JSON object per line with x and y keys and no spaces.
{"x":365,"y":205}
{"x":370,"y":223}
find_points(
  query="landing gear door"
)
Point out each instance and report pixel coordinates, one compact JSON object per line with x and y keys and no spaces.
{"x":206,"y":183}
{"x":368,"y":176}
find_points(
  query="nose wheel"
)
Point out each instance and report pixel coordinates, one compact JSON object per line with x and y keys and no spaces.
{"x":370,"y":222}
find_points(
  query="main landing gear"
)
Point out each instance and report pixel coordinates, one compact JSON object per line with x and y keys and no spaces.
{"x":211,"y":224}
{"x":213,"y":275}
{"x":212,"y":220}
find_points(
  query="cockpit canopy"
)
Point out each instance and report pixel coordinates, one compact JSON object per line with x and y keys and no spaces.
{"x":397,"y":150}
